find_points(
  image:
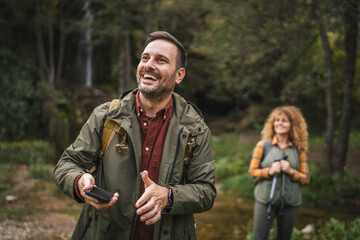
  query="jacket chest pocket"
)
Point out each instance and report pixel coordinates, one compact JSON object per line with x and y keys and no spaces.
{"x":177,"y":168}
{"x":118,"y":168}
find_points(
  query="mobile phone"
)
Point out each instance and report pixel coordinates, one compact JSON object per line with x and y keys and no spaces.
{"x":100,"y":194}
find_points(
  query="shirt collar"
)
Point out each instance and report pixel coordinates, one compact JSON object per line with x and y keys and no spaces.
{"x":274,"y":141}
{"x":166,"y":111}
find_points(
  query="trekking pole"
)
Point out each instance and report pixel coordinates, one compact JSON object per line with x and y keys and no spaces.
{"x":268,"y":212}
{"x":281,"y":213}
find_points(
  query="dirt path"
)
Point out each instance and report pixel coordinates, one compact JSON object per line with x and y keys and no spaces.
{"x":40,"y":212}
{"x":38,"y":226}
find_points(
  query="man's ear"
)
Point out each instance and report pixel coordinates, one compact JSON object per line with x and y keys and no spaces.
{"x":180,"y":74}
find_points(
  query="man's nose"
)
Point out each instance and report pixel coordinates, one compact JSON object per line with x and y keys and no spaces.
{"x":149,"y":64}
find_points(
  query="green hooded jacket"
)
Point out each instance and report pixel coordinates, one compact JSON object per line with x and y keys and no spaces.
{"x":193,"y":184}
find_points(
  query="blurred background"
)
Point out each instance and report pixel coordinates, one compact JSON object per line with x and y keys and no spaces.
{"x":61,"y":58}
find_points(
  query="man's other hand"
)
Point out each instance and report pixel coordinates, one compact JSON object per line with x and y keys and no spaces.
{"x":152,"y":202}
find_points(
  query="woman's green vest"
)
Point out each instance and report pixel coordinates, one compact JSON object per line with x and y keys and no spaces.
{"x":292,"y":189}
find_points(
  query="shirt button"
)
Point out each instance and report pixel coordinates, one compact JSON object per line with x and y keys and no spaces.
{"x":145,"y":124}
{"x":146,"y":149}
{"x":141,"y":110}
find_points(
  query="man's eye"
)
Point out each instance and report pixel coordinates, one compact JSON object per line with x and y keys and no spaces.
{"x":144,"y":58}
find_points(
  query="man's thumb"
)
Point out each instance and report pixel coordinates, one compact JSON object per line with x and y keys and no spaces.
{"x":145,"y":177}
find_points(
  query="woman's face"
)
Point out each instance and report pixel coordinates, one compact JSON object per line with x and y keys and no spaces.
{"x":282,"y":124}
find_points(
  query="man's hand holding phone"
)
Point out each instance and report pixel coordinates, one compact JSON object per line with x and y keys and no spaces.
{"x":94,"y":196}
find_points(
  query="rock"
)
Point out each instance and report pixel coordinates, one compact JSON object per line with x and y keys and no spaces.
{"x":308,"y":229}
{"x":11,"y":198}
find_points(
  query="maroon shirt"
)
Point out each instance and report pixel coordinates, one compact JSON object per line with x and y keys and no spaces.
{"x":153,"y":133}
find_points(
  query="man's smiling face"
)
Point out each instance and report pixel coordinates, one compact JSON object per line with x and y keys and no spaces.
{"x":156,"y":73}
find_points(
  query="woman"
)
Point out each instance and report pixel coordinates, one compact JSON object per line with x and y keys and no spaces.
{"x":279,"y":160}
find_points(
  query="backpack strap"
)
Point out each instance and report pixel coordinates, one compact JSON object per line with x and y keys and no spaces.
{"x":266,"y":148}
{"x":189,"y":148}
{"x":108,"y":133}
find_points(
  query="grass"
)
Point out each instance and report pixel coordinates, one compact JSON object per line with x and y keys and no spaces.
{"x":41,"y":172}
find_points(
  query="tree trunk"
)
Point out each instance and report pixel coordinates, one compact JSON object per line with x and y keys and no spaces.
{"x":125,"y":59}
{"x":51,"y":77}
{"x":329,"y":75}
{"x":351,"y":30}
{"x":61,"y":49}
{"x":43,"y":68}
{"x":149,"y":15}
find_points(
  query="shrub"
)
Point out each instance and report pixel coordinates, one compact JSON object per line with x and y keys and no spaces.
{"x":6,"y":172}
{"x":41,"y":171}
{"x":31,"y":109}
{"x":241,"y":185}
{"x":232,"y":158}
{"x":333,"y":229}
{"x":26,"y":152}
{"x":325,"y":186}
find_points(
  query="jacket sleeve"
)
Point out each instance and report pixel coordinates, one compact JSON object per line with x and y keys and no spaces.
{"x":199,"y":192}
{"x":255,"y":169}
{"x":303,"y":175}
{"x":82,"y":154}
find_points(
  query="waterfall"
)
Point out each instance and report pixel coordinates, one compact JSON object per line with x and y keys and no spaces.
{"x":88,"y":43}
{"x":84,"y":56}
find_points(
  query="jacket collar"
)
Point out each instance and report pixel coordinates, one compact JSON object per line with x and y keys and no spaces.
{"x":274,"y":141}
{"x":187,"y":114}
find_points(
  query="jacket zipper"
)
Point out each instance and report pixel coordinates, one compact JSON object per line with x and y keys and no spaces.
{"x":172,"y":170}
{"x":133,"y":222}
{"x":176,"y":153}
{"x":171,"y":173}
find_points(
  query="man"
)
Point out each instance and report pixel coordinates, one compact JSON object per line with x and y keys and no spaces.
{"x":156,"y":192}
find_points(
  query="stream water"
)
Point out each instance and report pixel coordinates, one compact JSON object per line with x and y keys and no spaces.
{"x":231,"y":217}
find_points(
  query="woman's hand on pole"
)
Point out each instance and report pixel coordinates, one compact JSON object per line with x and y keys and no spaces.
{"x":285,"y":166}
{"x":275,"y":168}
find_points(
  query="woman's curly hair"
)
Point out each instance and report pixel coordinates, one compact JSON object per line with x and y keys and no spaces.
{"x":298,"y":134}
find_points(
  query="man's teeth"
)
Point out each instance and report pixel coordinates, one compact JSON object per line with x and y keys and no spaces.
{"x":149,"y":76}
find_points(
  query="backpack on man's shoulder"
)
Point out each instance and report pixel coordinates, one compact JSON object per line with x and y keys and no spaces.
{"x":109,"y":131}
{"x":111,"y":128}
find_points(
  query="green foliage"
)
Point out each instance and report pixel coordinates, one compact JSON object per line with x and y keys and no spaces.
{"x":242,"y":185}
{"x":41,"y":171}
{"x":62,"y":125}
{"x":15,"y":102}
{"x":333,"y":229}
{"x":27,"y":106}
{"x":231,"y":156}
{"x":30,"y":109}
{"x":354,"y":228}
{"x":26,"y":152}
{"x":355,"y":139}
{"x":258,"y":35}
{"x":240,"y":52}
{"x":6,"y":172}
{"x":325,"y":186}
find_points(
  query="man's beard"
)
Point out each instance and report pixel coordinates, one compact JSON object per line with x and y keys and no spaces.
{"x":160,"y":91}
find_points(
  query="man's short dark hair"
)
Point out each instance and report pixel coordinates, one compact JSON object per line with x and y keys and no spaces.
{"x":162,"y":35}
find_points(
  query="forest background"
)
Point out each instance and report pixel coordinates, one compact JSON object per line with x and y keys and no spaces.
{"x":61,"y":58}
